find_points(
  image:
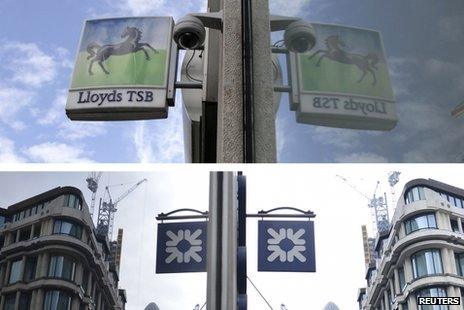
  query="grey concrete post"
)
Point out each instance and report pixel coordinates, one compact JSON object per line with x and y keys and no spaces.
{"x":264,"y":109}
{"x":222,"y":242}
{"x":230,"y":106}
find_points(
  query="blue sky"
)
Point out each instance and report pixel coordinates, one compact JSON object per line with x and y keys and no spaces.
{"x":38,"y":41}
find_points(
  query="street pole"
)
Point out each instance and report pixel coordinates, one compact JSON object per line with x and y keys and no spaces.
{"x":222,"y":242}
{"x":242,"y":250}
{"x":230,"y":146}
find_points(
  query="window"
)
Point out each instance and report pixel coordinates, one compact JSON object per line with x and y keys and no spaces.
{"x":25,"y":234}
{"x":10,"y":301}
{"x":37,"y":228}
{"x":454,"y":225}
{"x":2,"y":221}
{"x":15,"y":271}
{"x":85,"y":280}
{"x":57,"y":300}
{"x":68,"y":228}
{"x":456,"y":201}
{"x":30,"y":268}
{"x":25,"y":301}
{"x":432,"y":292}
{"x":422,"y":221}
{"x":426,"y":262}
{"x":61,"y":267}
{"x":73,"y":201}
{"x":414,"y":194}
{"x":460,"y":263}
{"x":401,"y":278}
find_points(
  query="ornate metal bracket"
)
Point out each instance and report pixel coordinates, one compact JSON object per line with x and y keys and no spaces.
{"x":303,"y":214}
{"x":169,"y":216}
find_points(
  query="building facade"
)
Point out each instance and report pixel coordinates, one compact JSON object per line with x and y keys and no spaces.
{"x":51,"y":257}
{"x":423,"y":252}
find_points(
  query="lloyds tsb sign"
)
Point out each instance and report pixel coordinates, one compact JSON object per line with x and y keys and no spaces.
{"x":122,"y":69}
{"x":344,"y":81}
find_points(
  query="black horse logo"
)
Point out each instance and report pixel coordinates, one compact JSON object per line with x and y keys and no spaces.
{"x":335,"y":52}
{"x":132,"y":44}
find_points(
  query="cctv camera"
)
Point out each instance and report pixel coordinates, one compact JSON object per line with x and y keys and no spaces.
{"x":189,"y":33}
{"x":299,"y":37}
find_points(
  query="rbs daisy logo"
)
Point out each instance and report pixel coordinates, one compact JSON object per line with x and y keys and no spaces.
{"x":286,"y":246}
{"x":181,"y":247}
{"x":280,"y":238}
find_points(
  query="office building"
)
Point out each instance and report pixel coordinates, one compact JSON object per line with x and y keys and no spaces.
{"x":52,"y":259}
{"x":423,"y":252}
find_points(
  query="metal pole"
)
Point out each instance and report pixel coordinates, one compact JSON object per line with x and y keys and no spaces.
{"x":248,"y":82}
{"x":242,"y":251}
{"x":222,"y":243}
{"x":208,"y":126}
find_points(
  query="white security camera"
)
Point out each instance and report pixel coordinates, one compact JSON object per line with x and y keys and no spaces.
{"x":189,"y":33}
{"x":299,"y":37}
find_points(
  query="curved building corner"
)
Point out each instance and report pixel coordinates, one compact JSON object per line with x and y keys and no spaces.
{"x":422,"y":255}
{"x":51,"y":257}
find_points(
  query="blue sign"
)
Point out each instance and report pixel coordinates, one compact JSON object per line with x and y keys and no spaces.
{"x":181,"y":247}
{"x":286,"y":246}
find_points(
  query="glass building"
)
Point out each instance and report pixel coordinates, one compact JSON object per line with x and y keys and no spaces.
{"x":52,"y":259}
{"x":423,"y":253}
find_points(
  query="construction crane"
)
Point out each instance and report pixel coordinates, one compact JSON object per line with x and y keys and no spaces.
{"x":92,"y":185}
{"x":393,"y":179}
{"x":378,"y":204}
{"x":108,"y":208}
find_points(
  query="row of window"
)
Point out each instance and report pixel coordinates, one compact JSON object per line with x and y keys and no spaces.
{"x":60,"y":266}
{"x":426,"y":292}
{"x":417,"y":193}
{"x":70,"y":200}
{"x":54,"y":300}
{"x":453,"y":199}
{"x":29,"y":212}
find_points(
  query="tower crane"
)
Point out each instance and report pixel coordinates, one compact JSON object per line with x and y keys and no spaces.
{"x":378,"y":204}
{"x":108,"y":208}
{"x":92,"y":184}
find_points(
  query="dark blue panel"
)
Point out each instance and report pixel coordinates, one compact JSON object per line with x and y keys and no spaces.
{"x":286,"y":246}
{"x":181,"y":247}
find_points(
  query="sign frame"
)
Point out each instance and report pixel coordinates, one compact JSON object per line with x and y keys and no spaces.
{"x":162,"y":95}
{"x":174,"y":266}
{"x":385,"y":117}
{"x":264,"y":264}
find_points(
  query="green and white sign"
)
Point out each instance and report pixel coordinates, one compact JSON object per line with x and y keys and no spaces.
{"x":122,"y":69}
{"x":344,"y":81}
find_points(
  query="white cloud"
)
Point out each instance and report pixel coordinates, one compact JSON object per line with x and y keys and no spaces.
{"x":159,"y":143}
{"x":364,"y":157}
{"x":28,"y":64}
{"x":285,"y":7}
{"x":342,"y":138}
{"x":451,"y":28}
{"x":175,"y":8}
{"x":7,"y":152}
{"x":12,"y":101}
{"x":56,"y":110}
{"x":52,"y":152}
{"x":56,"y":117}
{"x":80,"y":130}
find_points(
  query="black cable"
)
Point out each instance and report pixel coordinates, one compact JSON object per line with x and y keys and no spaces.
{"x":188,"y":66}
{"x":260,"y":293}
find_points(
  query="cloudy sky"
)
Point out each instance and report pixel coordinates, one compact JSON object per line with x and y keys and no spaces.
{"x":340,"y":213}
{"x":38,"y":40}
